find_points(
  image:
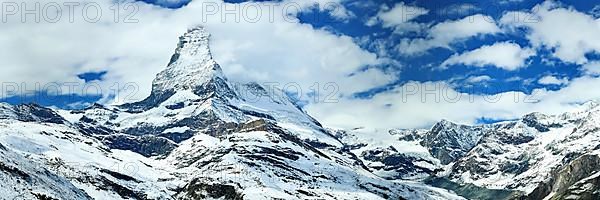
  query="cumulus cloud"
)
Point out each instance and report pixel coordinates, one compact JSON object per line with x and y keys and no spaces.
{"x":248,"y":48}
{"x":479,"y":79}
{"x":566,"y":32}
{"x":553,"y":80}
{"x":504,"y":55}
{"x":442,"y":35}
{"x":399,"y":17}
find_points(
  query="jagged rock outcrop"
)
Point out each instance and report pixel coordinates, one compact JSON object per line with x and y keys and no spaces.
{"x":577,"y":180}
{"x":30,"y":113}
{"x":448,"y":141}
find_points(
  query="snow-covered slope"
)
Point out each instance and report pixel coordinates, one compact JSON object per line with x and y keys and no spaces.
{"x":531,"y":154}
{"x":75,"y":162}
{"x":22,"y":178}
{"x":395,"y":154}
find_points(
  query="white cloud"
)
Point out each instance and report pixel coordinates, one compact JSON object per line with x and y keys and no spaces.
{"x":399,"y":14}
{"x":505,"y":55}
{"x":135,"y":52}
{"x":513,"y":79}
{"x":553,"y":80}
{"x":444,"y":34}
{"x":419,"y":105}
{"x":479,"y":79}
{"x":399,"y":17}
{"x":592,"y":68}
{"x":368,"y":78}
{"x":567,"y":33}
{"x":510,"y":1}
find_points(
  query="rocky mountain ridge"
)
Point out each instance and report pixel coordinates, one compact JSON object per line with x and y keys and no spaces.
{"x":538,"y":156}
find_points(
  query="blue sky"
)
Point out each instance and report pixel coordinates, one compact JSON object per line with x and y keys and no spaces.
{"x":411,"y":67}
{"x":471,"y":46}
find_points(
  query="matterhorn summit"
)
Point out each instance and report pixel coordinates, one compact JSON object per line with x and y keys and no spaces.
{"x":191,"y":65}
{"x":191,"y":69}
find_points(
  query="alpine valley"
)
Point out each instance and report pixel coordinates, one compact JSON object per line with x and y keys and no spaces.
{"x":200,"y":136}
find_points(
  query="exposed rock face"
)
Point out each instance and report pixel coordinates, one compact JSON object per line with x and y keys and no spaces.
{"x":203,"y":189}
{"x":30,"y":113}
{"x":403,"y":165}
{"x":535,"y":120}
{"x":587,"y":188}
{"x":394,"y":155}
{"x":578,"y":169}
{"x":448,"y":141}
{"x":147,"y":145}
{"x":577,"y":180}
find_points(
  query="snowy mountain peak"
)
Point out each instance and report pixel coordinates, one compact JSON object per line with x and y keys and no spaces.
{"x":191,"y":69}
{"x":192,"y":45}
{"x":191,"y":66}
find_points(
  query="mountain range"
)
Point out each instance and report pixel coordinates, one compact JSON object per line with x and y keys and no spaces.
{"x":199,"y":135}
